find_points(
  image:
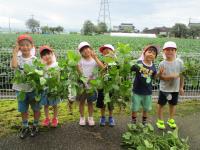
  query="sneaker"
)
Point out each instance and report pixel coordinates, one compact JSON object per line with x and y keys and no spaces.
{"x":34,"y":131}
{"x":91,"y":121}
{"x":24,"y":132}
{"x":160,"y":124}
{"x":111,"y":121}
{"x":46,"y":122}
{"x":102,"y":121}
{"x":171,"y":123}
{"x":54,"y":122}
{"x":82,"y":121}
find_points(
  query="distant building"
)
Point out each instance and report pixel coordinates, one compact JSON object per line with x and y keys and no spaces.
{"x":125,"y":28}
{"x":158,"y":31}
{"x":115,"y":29}
{"x":193,"y":25}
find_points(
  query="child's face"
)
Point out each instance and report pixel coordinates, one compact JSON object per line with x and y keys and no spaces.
{"x":150,"y":54}
{"x":106,"y":51}
{"x":25,"y":47}
{"x":48,"y":58}
{"x":86,"y":52}
{"x":170,"y":52}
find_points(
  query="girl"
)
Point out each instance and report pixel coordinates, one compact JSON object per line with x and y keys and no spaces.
{"x":86,"y":66}
{"x":48,"y":58}
{"x":107,"y":51}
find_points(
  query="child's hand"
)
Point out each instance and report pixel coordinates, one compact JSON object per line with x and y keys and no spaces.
{"x":16,"y":48}
{"x":181,"y":91}
{"x":161,"y":70}
{"x":93,"y":55}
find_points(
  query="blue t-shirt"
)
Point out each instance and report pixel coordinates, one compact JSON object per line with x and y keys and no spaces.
{"x":142,"y":84}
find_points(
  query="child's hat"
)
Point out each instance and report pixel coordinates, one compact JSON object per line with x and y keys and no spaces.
{"x":83,"y":44}
{"x":24,"y":37}
{"x":169,"y":44}
{"x":45,"y":47}
{"x":109,"y":46}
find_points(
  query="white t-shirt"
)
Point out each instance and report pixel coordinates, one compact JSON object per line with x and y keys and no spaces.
{"x":170,"y":68}
{"x":87,"y":67}
{"x":21,"y":61}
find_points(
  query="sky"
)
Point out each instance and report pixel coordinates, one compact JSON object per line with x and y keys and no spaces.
{"x":71,"y":14}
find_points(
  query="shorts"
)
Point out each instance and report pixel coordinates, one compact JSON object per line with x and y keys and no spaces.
{"x":46,"y":101}
{"x":100,"y":101}
{"x":141,"y":100}
{"x":170,"y":97}
{"x":23,"y":104}
{"x":91,"y":97}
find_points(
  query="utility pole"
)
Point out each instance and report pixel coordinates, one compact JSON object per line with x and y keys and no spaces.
{"x":9,"y":25}
{"x":104,"y":13}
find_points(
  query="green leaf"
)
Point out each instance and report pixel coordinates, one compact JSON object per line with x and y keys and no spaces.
{"x":107,"y":98}
{"x":148,"y":144}
{"x":21,"y":96}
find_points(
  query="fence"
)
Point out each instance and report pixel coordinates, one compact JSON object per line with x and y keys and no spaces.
{"x":6,"y":75}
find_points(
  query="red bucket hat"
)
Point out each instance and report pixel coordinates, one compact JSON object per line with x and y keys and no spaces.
{"x":25,"y":37}
{"x":45,"y":47}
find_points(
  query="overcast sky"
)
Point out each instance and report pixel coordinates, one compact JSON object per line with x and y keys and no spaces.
{"x":72,"y":13}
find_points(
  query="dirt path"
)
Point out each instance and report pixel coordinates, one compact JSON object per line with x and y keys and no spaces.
{"x":73,"y":137}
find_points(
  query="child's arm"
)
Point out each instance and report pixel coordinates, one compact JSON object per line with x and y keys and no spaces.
{"x":159,"y":73}
{"x":14,"y":62}
{"x":162,"y":76}
{"x":100,"y":64}
{"x":79,"y":69}
{"x":169,"y":77}
{"x":181,"y":90}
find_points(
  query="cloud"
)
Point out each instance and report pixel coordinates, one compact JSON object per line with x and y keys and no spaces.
{"x":72,"y":14}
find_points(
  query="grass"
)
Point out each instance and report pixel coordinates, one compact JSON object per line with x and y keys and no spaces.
{"x":10,"y":118}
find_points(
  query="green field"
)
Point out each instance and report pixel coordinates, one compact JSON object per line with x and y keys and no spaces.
{"x":69,"y":42}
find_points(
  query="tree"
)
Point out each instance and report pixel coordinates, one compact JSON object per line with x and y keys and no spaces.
{"x":145,"y":30}
{"x":45,"y":30}
{"x":101,"y":28}
{"x":194,"y":31}
{"x":59,"y":29}
{"x":33,"y":25}
{"x":88,"y":28}
{"x":179,"y":30}
{"x":52,"y":29}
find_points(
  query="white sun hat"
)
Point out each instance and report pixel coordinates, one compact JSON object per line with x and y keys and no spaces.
{"x":106,"y":46}
{"x":83,"y":44}
{"x":170,"y":44}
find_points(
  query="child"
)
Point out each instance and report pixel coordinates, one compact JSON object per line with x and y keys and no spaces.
{"x":171,"y":83}
{"x":107,"y":51}
{"x":24,"y":45}
{"x":142,"y":87}
{"x":86,"y":66}
{"x":48,"y":59}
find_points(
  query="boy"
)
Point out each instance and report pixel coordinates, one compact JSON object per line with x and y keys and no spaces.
{"x":24,"y":45}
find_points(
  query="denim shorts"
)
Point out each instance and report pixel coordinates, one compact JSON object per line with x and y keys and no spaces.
{"x":46,"y":101}
{"x":23,"y":104}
